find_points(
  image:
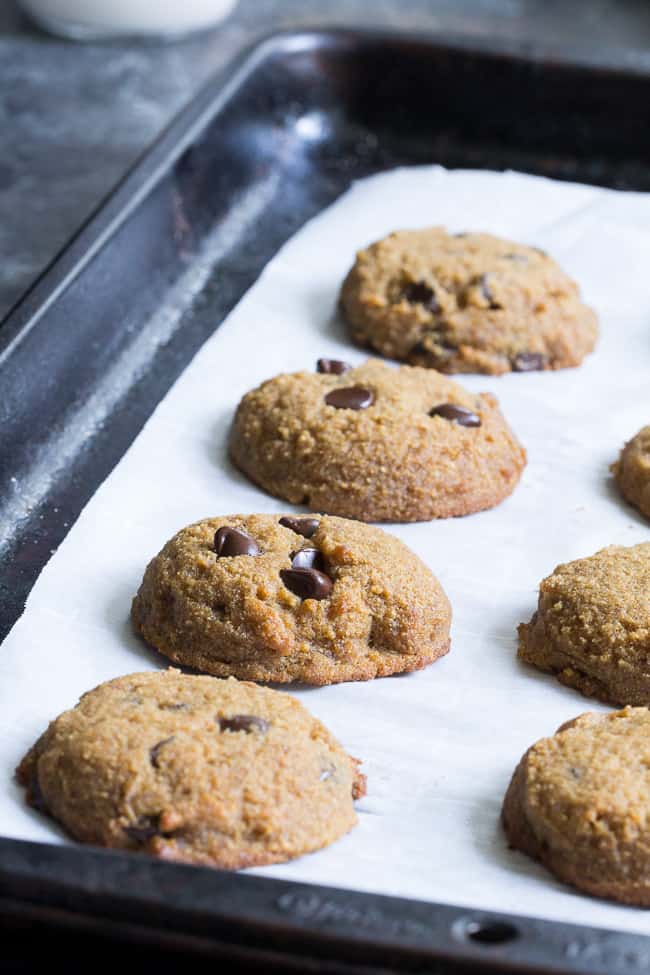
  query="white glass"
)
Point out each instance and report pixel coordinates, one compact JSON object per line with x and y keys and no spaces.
{"x":102,"y":19}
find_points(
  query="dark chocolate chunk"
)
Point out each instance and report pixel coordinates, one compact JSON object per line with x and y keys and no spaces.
{"x":335,"y":367}
{"x":156,"y":750}
{"x":244,"y":722}
{"x":350,"y":398}
{"x":301,"y":526}
{"x":308,"y":558}
{"x":419,"y":293}
{"x":457,"y":414}
{"x":229,"y":542}
{"x":144,"y":829}
{"x":487,"y":292}
{"x":307,"y":583}
{"x":527,"y":362}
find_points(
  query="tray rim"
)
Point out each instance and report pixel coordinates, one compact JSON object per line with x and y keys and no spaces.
{"x":33,"y":874}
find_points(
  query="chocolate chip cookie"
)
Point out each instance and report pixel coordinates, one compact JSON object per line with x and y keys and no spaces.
{"x":288,"y":598}
{"x":376,"y":443}
{"x":214,"y":772}
{"x":579,"y":802}
{"x":632,"y":471}
{"x":466,"y":303}
{"x":592,"y":625}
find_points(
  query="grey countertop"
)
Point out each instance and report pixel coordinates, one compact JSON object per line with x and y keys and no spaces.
{"x":74,"y":117}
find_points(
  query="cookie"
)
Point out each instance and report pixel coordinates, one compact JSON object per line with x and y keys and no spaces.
{"x":632,"y":471}
{"x":376,"y":443}
{"x":592,"y":625}
{"x":579,"y":802}
{"x":214,"y":772}
{"x":287,"y":598}
{"x":466,"y":303}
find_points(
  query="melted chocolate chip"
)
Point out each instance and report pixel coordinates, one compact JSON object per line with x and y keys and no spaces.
{"x":229,"y":542}
{"x":335,"y":367}
{"x":487,"y":292}
{"x":307,"y":583}
{"x":156,"y":750}
{"x":308,"y":558}
{"x":244,"y":722}
{"x":350,"y":398}
{"x":144,"y":829}
{"x":527,"y":362}
{"x":457,"y":414}
{"x":419,"y":293}
{"x":302,"y":526}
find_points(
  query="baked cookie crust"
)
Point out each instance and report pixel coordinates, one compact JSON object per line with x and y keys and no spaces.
{"x":304,"y":437}
{"x":592,"y":625}
{"x":632,"y":471}
{"x":214,"y":772}
{"x":346,"y":601}
{"x":579,"y":802}
{"x":466,"y":303}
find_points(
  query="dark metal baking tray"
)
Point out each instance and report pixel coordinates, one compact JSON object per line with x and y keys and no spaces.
{"x":84,"y":358}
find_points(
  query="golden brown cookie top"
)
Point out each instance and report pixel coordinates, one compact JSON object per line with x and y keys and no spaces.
{"x":196,"y":769}
{"x":376,"y":443}
{"x":467,"y":302}
{"x":632,"y":471}
{"x":292,"y":597}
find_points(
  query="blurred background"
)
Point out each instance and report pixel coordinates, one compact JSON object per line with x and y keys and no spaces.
{"x":75,"y":116}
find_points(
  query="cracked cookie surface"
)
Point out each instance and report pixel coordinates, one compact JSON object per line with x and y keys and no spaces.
{"x":592,"y":625}
{"x":466,"y":303}
{"x":372,"y":443}
{"x":326,"y":600}
{"x":579,"y":802}
{"x":632,"y":471}
{"x":215,"y":772}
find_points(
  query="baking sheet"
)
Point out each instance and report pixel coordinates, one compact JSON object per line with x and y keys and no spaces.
{"x":438,"y":746}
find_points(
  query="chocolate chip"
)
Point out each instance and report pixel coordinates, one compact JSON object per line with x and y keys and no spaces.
{"x":156,"y":750}
{"x":144,"y":829}
{"x":229,"y":542}
{"x":35,"y":795}
{"x":335,"y":367}
{"x":458,"y":414}
{"x":301,"y":526}
{"x":308,"y":558}
{"x":487,"y":292}
{"x":527,"y":362}
{"x":244,"y":722}
{"x":307,"y":583}
{"x":350,"y":398}
{"x":419,"y":293}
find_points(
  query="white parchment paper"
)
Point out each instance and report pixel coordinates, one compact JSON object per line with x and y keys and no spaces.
{"x":438,"y":746}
